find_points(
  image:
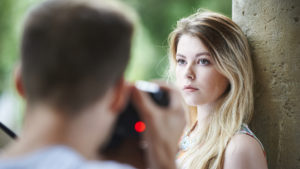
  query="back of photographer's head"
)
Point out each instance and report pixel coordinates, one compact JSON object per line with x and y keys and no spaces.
{"x":73,"y":52}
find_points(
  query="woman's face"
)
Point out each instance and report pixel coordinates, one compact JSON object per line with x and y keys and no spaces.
{"x":196,"y":74}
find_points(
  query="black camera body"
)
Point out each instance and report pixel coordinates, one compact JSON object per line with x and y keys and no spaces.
{"x":128,"y":125}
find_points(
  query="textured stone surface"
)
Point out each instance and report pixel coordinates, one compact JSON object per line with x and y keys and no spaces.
{"x":273,"y":30}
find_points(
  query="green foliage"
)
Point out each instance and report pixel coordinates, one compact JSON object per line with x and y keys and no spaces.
{"x":5,"y":10}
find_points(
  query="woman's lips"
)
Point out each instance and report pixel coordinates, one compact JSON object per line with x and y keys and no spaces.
{"x":189,"y":88}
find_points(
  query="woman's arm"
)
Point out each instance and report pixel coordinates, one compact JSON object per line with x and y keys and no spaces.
{"x":244,"y":152}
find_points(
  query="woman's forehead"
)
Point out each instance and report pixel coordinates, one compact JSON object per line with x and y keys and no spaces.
{"x":189,"y":45}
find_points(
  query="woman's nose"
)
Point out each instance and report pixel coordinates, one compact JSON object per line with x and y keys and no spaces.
{"x":190,"y":73}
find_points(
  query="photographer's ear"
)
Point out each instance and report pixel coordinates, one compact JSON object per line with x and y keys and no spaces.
{"x":18,"y":80}
{"x":120,"y":96}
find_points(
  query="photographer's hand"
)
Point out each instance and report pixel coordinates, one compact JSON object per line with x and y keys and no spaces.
{"x":164,"y":127}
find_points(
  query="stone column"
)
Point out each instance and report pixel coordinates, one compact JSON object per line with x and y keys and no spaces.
{"x":273,"y":30}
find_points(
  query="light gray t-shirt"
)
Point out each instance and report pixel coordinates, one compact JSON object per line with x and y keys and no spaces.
{"x":58,"y":157}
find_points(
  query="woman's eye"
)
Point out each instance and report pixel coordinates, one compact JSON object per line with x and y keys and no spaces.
{"x":203,"y":61}
{"x":181,"y":61}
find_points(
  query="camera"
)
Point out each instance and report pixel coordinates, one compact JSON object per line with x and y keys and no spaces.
{"x":129,"y":125}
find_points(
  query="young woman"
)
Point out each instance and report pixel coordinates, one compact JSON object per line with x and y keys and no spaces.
{"x":211,"y":59}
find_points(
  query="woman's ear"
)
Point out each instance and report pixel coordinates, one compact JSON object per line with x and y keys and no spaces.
{"x":18,"y":81}
{"x":121,"y":93}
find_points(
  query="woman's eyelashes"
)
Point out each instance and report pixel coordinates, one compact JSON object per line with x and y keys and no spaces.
{"x":180,"y":61}
{"x":203,"y":61}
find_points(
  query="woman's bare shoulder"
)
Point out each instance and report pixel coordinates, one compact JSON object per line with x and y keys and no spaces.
{"x":245,"y":152}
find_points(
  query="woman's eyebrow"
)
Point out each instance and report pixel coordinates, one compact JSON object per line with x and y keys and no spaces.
{"x":202,"y":53}
{"x":197,"y":55}
{"x":180,"y":55}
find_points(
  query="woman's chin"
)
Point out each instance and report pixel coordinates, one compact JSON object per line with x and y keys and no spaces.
{"x":191,"y":102}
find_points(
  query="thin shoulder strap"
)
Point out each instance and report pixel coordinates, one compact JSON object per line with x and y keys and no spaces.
{"x":246,"y":130}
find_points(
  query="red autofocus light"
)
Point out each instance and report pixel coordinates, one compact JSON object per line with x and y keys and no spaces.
{"x":139,"y":126}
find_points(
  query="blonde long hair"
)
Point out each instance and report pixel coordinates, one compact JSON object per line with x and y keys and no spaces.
{"x":229,"y":49}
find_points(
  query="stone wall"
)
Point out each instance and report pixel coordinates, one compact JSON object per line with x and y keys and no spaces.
{"x":273,"y":30}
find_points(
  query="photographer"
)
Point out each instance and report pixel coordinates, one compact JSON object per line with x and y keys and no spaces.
{"x":73,"y":56}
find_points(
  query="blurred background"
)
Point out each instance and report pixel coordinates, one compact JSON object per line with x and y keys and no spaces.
{"x":149,"y":59}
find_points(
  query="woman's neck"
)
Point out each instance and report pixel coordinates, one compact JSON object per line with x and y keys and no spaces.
{"x":203,"y":111}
